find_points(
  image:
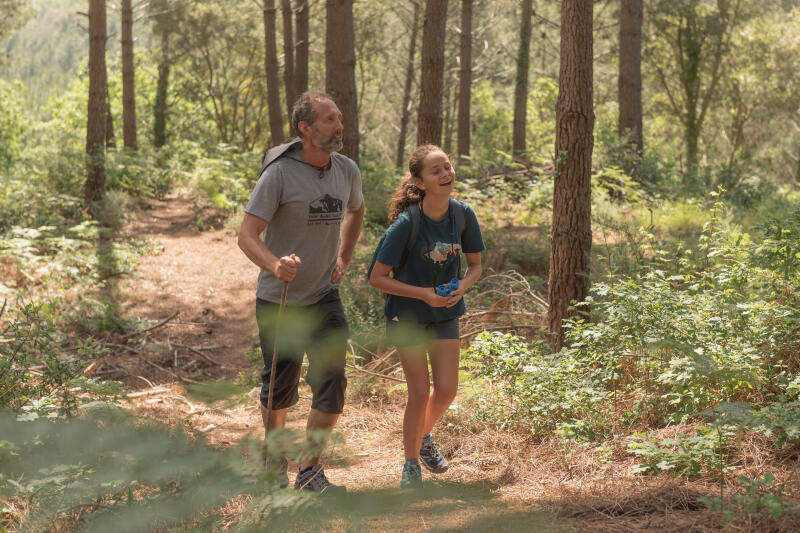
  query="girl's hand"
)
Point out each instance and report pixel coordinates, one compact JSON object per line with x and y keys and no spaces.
{"x":455,"y":296}
{"x":434,"y":300}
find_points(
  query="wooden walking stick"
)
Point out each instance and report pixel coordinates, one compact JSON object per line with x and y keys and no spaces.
{"x":275,"y":359}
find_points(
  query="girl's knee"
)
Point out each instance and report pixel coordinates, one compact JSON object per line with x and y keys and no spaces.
{"x":418,"y":395}
{"x":445,"y":394}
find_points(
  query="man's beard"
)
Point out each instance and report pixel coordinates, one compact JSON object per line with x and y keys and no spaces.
{"x":326,"y":144}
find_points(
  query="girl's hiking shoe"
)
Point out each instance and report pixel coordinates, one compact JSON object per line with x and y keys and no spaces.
{"x":412,"y":475}
{"x":431,"y":457}
{"x":313,"y":479}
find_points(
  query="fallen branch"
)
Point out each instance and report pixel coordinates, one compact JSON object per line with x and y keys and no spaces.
{"x":201,"y":354}
{"x":134,"y":333}
{"x":392,"y":378}
{"x":497,"y":328}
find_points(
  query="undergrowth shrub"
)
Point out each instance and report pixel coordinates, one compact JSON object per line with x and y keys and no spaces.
{"x":663,"y":345}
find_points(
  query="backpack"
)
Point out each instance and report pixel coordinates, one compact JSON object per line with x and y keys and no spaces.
{"x":276,"y":152}
{"x":416,"y":222}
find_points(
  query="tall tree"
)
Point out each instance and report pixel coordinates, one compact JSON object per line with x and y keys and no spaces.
{"x":288,"y":56}
{"x":571,"y":237}
{"x":429,"y":127}
{"x":162,"y":84}
{"x":301,"y":47}
{"x":271,"y":65}
{"x":521,"y":85}
{"x":340,"y":70}
{"x":630,"y":74}
{"x":688,"y":41}
{"x":94,"y":188}
{"x":465,"y":78}
{"x":406,"y":109}
{"x":128,"y":93}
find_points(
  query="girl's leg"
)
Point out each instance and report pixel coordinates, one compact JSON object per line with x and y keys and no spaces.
{"x":415,"y":366}
{"x":444,"y":364}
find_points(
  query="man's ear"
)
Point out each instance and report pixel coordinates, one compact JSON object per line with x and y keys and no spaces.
{"x":305,"y":128}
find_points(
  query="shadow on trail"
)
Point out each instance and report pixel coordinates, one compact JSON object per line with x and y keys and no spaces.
{"x":437,"y":507}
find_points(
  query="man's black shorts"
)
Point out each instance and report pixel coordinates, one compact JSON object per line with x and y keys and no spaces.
{"x":320,"y":331}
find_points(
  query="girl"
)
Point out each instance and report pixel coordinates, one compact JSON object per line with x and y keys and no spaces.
{"x":421,"y":321}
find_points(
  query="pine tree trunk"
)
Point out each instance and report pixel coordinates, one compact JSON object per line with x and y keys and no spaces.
{"x":340,"y":70}
{"x":301,"y":48}
{"x":128,"y":93}
{"x":630,"y":74}
{"x":94,"y":188}
{"x":429,"y":127}
{"x":571,"y":237}
{"x":111,"y":140}
{"x":521,"y":86}
{"x":465,"y":79}
{"x":288,"y":56}
{"x":162,"y":90}
{"x":406,"y":110}
{"x":271,"y":67}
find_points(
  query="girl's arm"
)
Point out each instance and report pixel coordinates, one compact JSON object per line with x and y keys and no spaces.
{"x":472,"y":274}
{"x":380,"y":279}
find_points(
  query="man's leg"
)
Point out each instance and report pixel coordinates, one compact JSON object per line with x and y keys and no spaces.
{"x":277,"y":418}
{"x":317,"y":420}
{"x":326,"y":363}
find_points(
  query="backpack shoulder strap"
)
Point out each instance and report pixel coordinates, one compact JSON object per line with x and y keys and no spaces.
{"x":276,"y":152}
{"x":458,"y":213}
{"x":416,"y":218}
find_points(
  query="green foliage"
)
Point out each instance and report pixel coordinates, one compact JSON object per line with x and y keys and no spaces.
{"x":36,"y":372}
{"x":12,"y":125}
{"x":107,"y":469}
{"x":664,"y":345}
{"x":682,"y":455}
{"x":760,"y":493}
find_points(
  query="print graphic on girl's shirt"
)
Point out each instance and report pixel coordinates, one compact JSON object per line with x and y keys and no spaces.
{"x":442,"y":251}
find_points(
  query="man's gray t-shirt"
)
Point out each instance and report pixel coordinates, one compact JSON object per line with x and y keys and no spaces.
{"x":304,"y":214}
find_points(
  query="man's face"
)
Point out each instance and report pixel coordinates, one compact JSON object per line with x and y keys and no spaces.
{"x":326,"y":131}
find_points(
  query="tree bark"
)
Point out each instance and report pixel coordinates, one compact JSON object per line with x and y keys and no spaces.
{"x":301,"y":48}
{"x":288,"y":56}
{"x":271,"y":67}
{"x":465,"y":79}
{"x":340,"y":70}
{"x":162,"y":90}
{"x":429,"y":128}
{"x":521,"y":86}
{"x":111,"y":140}
{"x":94,"y":188}
{"x":571,"y":237}
{"x":128,"y":93}
{"x":630,"y":74}
{"x":406,"y":109}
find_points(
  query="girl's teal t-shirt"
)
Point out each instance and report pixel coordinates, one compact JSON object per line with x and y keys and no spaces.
{"x":434,"y":259}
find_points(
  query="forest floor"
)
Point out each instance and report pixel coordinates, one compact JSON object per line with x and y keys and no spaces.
{"x":497,"y":481}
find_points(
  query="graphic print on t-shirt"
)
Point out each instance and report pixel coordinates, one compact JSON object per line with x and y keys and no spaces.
{"x":325,"y":210}
{"x":441,"y":251}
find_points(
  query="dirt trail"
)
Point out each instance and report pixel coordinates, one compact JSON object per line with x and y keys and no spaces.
{"x":496,"y":481}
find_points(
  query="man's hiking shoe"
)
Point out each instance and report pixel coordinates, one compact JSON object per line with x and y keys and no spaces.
{"x":412,"y":475}
{"x":431,"y":457}
{"x":313,"y":479}
{"x":282,"y":471}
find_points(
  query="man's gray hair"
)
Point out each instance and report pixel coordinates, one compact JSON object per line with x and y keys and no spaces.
{"x":303,"y":109}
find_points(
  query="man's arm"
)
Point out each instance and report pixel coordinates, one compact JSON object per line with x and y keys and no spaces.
{"x":351,"y":229}
{"x":285,"y":268}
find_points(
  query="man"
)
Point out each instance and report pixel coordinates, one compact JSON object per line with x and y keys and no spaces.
{"x":304,"y":204}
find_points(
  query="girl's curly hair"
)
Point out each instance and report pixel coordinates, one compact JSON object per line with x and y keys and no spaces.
{"x":408,"y":193}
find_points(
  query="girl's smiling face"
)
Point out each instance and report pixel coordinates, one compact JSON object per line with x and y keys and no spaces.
{"x":438,"y":175}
